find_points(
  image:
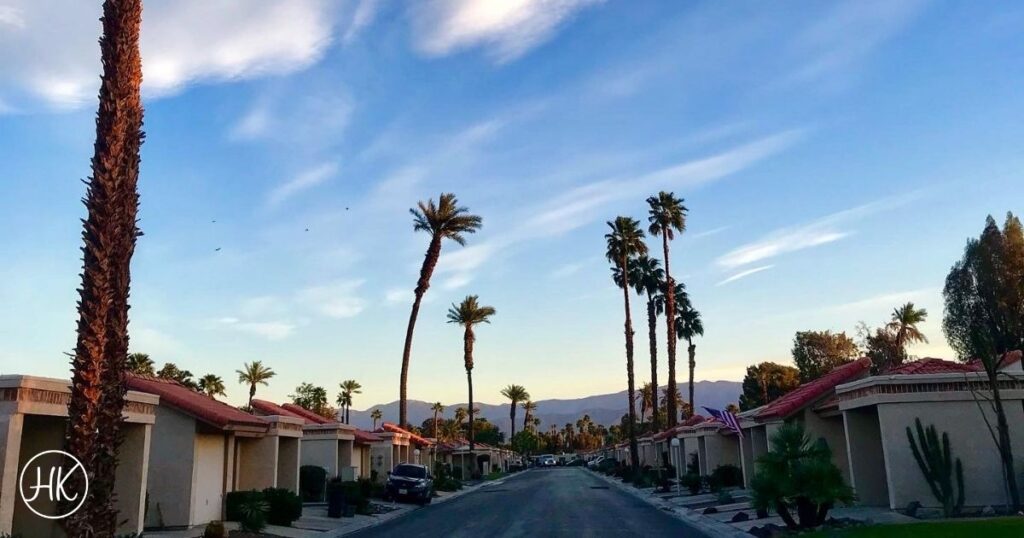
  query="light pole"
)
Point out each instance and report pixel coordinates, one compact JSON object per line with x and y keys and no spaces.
{"x":675,"y":459}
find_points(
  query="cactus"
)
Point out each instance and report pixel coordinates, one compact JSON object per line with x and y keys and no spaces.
{"x":938,"y":467}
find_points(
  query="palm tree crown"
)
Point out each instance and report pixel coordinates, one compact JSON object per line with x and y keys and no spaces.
{"x":212,"y":385}
{"x":667,"y":215}
{"x":624,"y":241}
{"x":515,"y":394}
{"x":253,"y":374}
{"x":904,"y":324}
{"x":688,"y":322}
{"x":467,"y":314}
{"x":445,"y":219}
{"x":349,"y":388}
{"x":141,"y":364}
{"x":376,"y":415}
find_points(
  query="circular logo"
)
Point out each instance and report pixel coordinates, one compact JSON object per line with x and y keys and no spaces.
{"x":53,"y":468}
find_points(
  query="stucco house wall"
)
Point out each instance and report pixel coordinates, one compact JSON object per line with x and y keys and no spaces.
{"x":969,"y":440}
{"x":172,"y":456}
{"x":866,"y":456}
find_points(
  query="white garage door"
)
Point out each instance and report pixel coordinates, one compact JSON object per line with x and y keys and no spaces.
{"x":209,"y":478}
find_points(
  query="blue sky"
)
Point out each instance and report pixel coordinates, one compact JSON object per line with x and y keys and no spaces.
{"x":834,"y":158}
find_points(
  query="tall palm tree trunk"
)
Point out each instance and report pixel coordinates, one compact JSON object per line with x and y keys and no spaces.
{"x":467,"y":347}
{"x":512,"y":421}
{"x":435,"y":424}
{"x":631,"y":387}
{"x":652,"y":336}
{"x":252,"y":394}
{"x":692,"y":350}
{"x":348,"y":414}
{"x":670,"y":322}
{"x":98,"y":381}
{"x":429,"y":263}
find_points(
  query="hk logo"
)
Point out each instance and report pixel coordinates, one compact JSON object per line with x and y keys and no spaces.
{"x":49,"y":496}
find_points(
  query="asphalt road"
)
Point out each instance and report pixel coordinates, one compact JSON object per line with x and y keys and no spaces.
{"x":540,"y":502}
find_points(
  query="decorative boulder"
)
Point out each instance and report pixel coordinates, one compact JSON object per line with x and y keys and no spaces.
{"x":710,"y":510}
{"x":988,"y":511}
{"x":912,"y":508}
{"x":740,"y":516}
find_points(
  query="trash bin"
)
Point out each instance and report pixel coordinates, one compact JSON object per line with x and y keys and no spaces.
{"x":335,"y":502}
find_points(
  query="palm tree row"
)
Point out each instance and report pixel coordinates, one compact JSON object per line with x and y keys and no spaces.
{"x":632,"y":267}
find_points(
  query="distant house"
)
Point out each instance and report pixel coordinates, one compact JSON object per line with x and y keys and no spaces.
{"x":33,"y":419}
{"x":397,"y":445}
{"x":326,"y":443}
{"x":203,"y":449}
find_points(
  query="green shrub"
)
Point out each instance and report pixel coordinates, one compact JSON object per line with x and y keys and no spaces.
{"x":312,"y":480}
{"x":692,"y":482}
{"x":284,"y":506}
{"x":726,"y":476}
{"x":797,"y":476}
{"x":724,"y":497}
{"x":234,"y":500}
{"x":253,"y":513}
{"x":215,"y":529}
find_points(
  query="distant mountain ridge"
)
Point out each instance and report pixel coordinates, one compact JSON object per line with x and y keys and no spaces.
{"x":606,"y":409}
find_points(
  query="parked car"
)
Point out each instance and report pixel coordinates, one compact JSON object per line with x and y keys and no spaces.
{"x":546,"y":460}
{"x":409,"y":481}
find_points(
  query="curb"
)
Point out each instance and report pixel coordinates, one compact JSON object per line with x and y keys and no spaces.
{"x":708,"y":526}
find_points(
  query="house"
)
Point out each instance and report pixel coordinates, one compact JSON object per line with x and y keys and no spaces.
{"x":951,"y":396}
{"x":201,"y":450}
{"x":364,"y":442}
{"x":33,"y":419}
{"x":810,"y":404}
{"x":396,"y":445}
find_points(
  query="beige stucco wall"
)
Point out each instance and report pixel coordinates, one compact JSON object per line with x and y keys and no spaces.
{"x":321,"y":453}
{"x":171,"y":458}
{"x":867,"y":462}
{"x":257,"y":463}
{"x":208,"y":477}
{"x":288,"y":457}
{"x":833,"y":431}
{"x":969,"y":440}
{"x":40,"y":434}
{"x":690,"y":447}
{"x":721,"y":450}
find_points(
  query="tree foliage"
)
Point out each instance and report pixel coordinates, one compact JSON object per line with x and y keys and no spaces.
{"x":172,"y":372}
{"x":765,"y":382}
{"x":797,"y":478}
{"x":311,"y":398}
{"x":140,"y":364}
{"x":817,"y":353}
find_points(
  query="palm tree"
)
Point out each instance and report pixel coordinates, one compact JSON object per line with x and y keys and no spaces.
{"x":515,"y":394}
{"x":667,"y":216}
{"x":460,"y":415}
{"x":443,"y":220}
{"x":904,"y":325}
{"x":689,"y":326}
{"x":349,"y":388}
{"x":467,"y":314}
{"x":253,"y":374}
{"x":648,"y":278}
{"x":376,"y":415}
{"x":109,"y":234}
{"x":437,"y":408}
{"x":626,"y":241}
{"x":140,"y":364}
{"x":647,"y":397}
{"x":212,"y":385}
{"x":528,"y":408}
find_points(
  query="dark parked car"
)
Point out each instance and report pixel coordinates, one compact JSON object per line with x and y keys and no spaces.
{"x":408,"y":481}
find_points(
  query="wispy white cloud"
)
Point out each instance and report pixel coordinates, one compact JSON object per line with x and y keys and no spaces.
{"x":52,"y":51}
{"x":337,"y":300}
{"x":398,"y":295}
{"x":709,"y":233}
{"x":884,"y":300}
{"x":305,"y":114}
{"x":269,"y":330}
{"x":847,"y":34}
{"x":567,"y":270}
{"x":819,"y":232}
{"x":506,"y":29}
{"x":362,"y":17}
{"x":744,"y":274}
{"x":302,"y":182}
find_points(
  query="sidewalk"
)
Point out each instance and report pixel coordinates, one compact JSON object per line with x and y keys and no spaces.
{"x":315,"y":523}
{"x":706,"y":525}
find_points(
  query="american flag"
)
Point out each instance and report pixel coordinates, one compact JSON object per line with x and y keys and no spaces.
{"x":726,"y":418}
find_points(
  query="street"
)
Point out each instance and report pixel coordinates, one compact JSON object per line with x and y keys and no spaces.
{"x":539,"y":502}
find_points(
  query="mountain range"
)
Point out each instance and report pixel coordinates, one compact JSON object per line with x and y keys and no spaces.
{"x":606,"y":409}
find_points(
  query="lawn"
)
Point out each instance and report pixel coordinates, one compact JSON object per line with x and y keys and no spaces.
{"x":1009,"y":527}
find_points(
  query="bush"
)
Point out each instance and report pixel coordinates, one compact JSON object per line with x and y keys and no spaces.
{"x":797,"y":477}
{"x":233,"y":503}
{"x":726,"y":476}
{"x":312,"y":480}
{"x":284,"y":506}
{"x":253,"y":513}
{"x":692,"y":482}
{"x":215,"y":529}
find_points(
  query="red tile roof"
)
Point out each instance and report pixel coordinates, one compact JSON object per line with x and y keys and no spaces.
{"x":307,"y":414}
{"x":1011,"y":357}
{"x":812,"y":391}
{"x":693,"y":421}
{"x":930,"y":365}
{"x":263,"y":407}
{"x":389,"y":427}
{"x":196,"y":404}
{"x":365,"y":438}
